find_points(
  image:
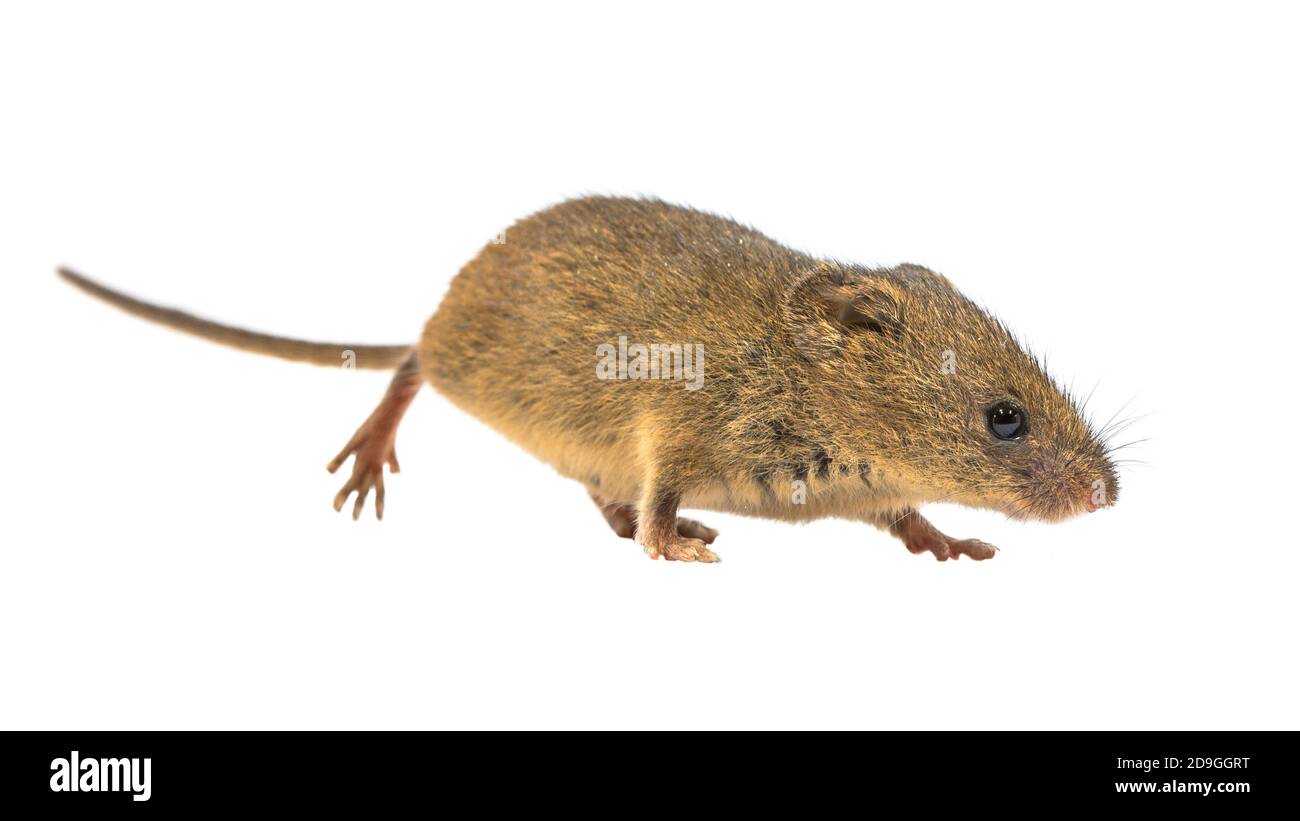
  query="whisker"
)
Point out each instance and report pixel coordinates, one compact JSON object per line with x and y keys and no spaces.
{"x":1084,"y":407}
{"x":1129,"y":444}
{"x":1123,"y":425}
{"x":1114,"y":416}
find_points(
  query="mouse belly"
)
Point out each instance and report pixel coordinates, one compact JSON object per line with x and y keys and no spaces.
{"x":603,"y":459}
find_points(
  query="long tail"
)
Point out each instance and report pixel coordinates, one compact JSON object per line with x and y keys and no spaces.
{"x":377,"y":357}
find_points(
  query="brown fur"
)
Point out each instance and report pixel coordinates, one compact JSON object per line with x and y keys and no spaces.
{"x":815,"y":372}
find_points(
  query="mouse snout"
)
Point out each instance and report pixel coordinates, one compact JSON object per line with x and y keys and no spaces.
{"x":1101,"y":493}
{"x":1091,"y":504}
{"x":1067,"y":484}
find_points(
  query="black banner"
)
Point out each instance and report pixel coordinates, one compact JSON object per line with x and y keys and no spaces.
{"x":149,"y":772}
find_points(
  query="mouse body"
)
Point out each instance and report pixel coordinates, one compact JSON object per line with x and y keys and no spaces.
{"x":668,"y":358}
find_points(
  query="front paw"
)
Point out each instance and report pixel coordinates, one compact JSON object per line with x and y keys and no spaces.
{"x":944,"y":548}
{"x":680,"y":549}
{"x":977,"y":550}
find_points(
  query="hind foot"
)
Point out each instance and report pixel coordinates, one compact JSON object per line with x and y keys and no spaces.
{"x":622,"y":520}
{"x":921,"y":537}
{"x":374,"y":448}
{"x":374,"y":443}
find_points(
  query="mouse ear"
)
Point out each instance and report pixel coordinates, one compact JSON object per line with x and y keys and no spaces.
{"x":831,"y":301}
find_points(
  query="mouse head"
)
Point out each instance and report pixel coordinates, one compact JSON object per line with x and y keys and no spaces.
{"x":906,"y":371}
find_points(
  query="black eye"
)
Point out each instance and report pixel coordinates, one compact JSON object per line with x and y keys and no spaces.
{"x":1008,"y":421}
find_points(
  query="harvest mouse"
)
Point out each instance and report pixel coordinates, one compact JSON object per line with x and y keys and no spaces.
{"x":668,"y":358}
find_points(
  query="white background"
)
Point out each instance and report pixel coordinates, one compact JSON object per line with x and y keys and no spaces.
{"x":1118,"y":181}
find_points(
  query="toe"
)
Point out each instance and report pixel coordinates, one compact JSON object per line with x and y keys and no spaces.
{"x":350,"y":448}
{"x":359,"y":506}
{"x":977,"y":550}
{"x":342,"y":496}
{"x":706,"y":556}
